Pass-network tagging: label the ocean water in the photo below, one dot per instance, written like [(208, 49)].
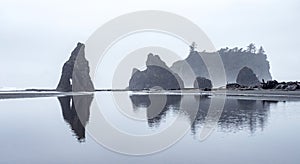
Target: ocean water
[(58, 129)]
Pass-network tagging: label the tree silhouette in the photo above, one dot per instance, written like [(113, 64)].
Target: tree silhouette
[(193, 47), (235, 49), (251, 48), (261, 50), (223, 50)]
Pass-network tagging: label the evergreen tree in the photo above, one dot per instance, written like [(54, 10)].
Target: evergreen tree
[(261, 50), (251, 48), (193, 47)]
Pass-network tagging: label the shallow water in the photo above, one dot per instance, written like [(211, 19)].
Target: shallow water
[(48, 130)]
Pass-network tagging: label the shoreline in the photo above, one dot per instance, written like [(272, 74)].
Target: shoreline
[(240, 94)]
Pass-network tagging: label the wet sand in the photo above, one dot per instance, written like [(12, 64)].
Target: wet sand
[(245, 94), (36, 94)]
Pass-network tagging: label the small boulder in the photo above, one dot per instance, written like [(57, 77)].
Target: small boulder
[(233, 86)]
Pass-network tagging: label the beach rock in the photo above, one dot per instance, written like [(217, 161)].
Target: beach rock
[(156, 75), (291, 87), (246, 77), (203, 83), (233, 86), (236, 86), (281, 86), (271, 85), (274, 85), (75, 72), (287, 86)]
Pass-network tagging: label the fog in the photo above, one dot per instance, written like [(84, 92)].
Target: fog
[(37, 37)]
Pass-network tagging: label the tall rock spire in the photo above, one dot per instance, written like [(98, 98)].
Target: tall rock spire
[(75, 72)]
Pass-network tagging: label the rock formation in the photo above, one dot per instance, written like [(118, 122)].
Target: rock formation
[(233, 59), (233, 86), (192, 65), (287, 86), (270, 84), (203, 83), (245, 67), (157, 74), (246, 77), (75, 73)]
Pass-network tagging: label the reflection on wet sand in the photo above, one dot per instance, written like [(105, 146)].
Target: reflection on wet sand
[(238, 114), (76, 112), (156, 111)]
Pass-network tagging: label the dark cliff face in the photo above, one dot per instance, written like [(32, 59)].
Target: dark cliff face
[(75, 73), (246, 77), (157, 74), (233, 62)]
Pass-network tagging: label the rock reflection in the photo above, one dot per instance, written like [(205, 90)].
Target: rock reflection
[(157, 110), (237, 115), (76, 112)]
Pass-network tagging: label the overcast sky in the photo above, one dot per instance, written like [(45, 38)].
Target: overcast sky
[(36, 37)]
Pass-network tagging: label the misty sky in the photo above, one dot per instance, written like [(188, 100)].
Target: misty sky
[(36, 37)]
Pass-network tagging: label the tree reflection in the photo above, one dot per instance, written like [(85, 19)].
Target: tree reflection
[(238, 114)]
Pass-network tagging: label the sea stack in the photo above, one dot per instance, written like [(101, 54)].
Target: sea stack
[(247, 77), (157, 74), (233, 59), (75, 73)]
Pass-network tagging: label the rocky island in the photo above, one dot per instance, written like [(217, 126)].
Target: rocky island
[(233, 59)]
